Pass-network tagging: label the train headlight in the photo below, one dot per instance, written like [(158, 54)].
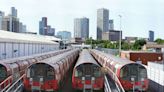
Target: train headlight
[(83, 80), (41, 80), (132, 79), (93, 80), (142, 79), (31, 80)]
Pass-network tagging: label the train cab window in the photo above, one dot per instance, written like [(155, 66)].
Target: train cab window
[(97, 72), (124, 72), (87, 69), (50, 73), (142, 72), (78, 73), (3, 73)]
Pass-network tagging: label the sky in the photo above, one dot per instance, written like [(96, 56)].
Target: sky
[(138, 16)]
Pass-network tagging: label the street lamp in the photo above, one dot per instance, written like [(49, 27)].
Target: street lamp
[(91, 42), (120, 36)]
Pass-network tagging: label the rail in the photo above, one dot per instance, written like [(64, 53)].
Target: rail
[(5, 84), (115, 78), (16, 86), (107, 86)]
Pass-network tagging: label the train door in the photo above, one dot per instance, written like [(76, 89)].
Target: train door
[(88, 76), (88, 72)]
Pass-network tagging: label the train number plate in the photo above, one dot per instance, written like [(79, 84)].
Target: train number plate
[(88, 86)]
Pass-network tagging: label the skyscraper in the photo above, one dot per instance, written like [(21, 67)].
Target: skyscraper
[(50, 31), (111, 24), (24, 28), (102, 22), (45, 29), (20, 27), (13, 12), (10, 23), (43, 26), (1, 19), (151, 36), (81, 28), (77, 28)]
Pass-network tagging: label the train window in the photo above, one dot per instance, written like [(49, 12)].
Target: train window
[(78, 73), (124, 72), (50, 73), (87, 69), (3, 73), (97, 72), (142, 72)]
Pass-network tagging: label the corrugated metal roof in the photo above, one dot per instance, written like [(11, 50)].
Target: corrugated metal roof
[(6, 36)]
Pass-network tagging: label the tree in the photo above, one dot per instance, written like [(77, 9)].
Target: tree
[(159, 41), (138, 44), (125, 45)]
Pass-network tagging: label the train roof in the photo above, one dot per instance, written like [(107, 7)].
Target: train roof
[(86, 57), (6, 36), (12, 60), (53, 60), (116, 59)]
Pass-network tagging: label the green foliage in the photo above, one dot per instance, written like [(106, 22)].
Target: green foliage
[(115, 45), (138, 44), (159, 41)]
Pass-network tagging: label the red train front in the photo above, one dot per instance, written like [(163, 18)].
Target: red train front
[(41, 76), (49, 74), (133, 77), (87, 73)]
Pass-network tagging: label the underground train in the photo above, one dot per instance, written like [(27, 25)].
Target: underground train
[(12, 69), (133, 76), (48, 75), (87, 74)]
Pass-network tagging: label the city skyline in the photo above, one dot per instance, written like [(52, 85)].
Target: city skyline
[(137, 16)]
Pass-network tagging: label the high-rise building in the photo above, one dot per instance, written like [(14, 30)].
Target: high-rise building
[(111, 24), (50, 31), (114, 35), (81, 28), (151, 36), (13, 12), (64, 35), (102, 22), (77, 28), (24, 29), (45, 29), (20, 27), (10, 23), (43, 26), (1, 18)]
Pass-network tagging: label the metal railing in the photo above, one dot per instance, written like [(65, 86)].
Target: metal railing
[(107, 86), (16, 86), (115, 78), (5, 84)]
